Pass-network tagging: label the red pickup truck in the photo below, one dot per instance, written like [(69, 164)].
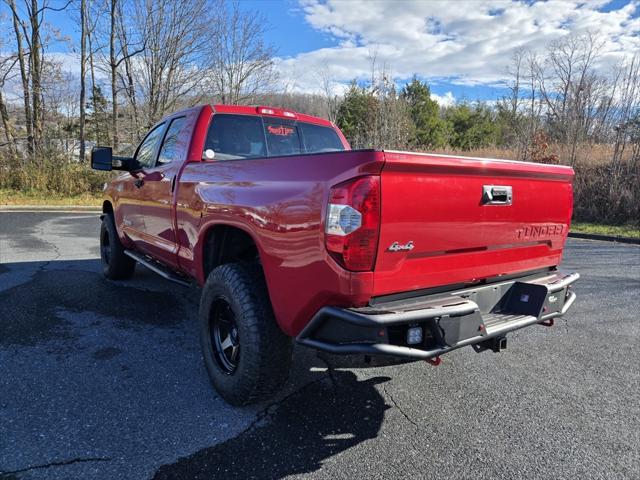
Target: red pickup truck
[(291, 234)]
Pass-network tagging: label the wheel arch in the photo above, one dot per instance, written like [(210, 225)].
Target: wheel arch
[(225, 243), (107, 207)]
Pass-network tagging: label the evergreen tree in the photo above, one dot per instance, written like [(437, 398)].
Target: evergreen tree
[(98, 118), (356, 115), (471, 126), (430, 131)]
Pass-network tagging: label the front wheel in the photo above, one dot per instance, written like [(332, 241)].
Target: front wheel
[(246, 354), (115, 264)]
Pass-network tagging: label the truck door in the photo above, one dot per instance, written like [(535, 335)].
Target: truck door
[(130, 214), (156, 186)]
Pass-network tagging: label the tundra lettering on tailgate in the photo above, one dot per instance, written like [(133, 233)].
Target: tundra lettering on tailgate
[(539, 231)]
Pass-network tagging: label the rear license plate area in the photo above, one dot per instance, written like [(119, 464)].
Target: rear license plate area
[(525, 299)]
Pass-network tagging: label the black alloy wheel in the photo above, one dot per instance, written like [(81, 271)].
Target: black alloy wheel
[(105, 247), (225, 339)]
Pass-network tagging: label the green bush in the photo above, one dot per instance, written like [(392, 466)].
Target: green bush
[(471, 126)]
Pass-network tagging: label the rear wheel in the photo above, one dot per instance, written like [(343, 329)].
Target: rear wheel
[(246, 354), (225, 339), (115, 264)]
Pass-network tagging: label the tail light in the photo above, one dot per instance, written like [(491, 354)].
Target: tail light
[(353, 223)]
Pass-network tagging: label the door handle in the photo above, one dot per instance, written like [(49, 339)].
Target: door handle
[(497, 194), (138, 183)]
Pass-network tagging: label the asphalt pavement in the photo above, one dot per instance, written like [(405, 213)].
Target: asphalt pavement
[(104, 380)]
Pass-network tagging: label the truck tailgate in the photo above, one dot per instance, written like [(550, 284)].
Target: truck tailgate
[(449, 220)]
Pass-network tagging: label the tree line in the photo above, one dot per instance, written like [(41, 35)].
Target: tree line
[(558, 105), (562, 106), (142, 59)]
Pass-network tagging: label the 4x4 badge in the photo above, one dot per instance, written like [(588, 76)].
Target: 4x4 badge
[(399, 247)]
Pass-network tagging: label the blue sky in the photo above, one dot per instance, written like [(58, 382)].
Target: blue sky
[(461, 48)]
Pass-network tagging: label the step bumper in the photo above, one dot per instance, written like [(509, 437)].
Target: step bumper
[(446, 321)]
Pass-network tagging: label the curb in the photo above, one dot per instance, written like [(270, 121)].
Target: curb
[(606, 238), (50, 208)]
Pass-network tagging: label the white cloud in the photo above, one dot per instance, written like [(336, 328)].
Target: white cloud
[(445, 100), (449, 43), (466, 42)]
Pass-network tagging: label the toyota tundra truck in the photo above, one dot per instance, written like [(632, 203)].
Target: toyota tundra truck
[(293, 236)]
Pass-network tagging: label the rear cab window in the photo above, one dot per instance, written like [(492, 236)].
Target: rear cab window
[(146, 153), (173, 145), (283, 137), (319, 139), (236, 137)]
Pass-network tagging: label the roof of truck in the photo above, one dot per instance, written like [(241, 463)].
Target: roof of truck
[(277, 112), (262, 110)]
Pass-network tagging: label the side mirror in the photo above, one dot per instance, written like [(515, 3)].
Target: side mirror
[(102, 158)]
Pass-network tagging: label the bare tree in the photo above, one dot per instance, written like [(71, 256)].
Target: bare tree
[(28, 34), (535, 103), (121, 51), (6, 125), (20, 30), (241, 63), (176, 36), (61, 91), (327, 88), (83, 75), (626, 113), (129, 48), (6, 66), (90, 46), (113, 67), (391, 124), (36, 47), (511, 107), (571, 89)]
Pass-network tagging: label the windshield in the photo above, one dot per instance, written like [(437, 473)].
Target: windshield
[(234, 137)]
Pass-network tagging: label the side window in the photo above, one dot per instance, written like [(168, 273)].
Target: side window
[(173, 145), (147, 149), (320, 139), (234, 137), (282, 137)]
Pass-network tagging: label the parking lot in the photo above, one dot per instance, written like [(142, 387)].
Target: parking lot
[(104, 380)]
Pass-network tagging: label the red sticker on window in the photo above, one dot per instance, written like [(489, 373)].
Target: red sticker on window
[(281, 130)]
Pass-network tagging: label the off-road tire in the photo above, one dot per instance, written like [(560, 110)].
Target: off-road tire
[(264, 352), (115, 264)]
